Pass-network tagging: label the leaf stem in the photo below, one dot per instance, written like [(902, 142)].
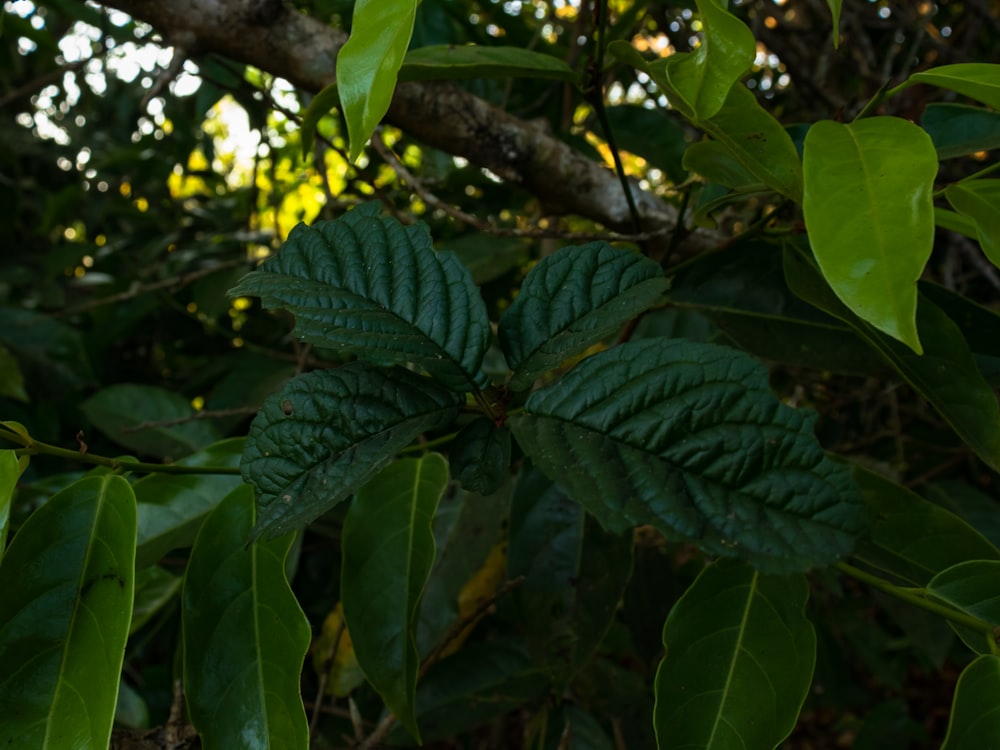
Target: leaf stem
[(968, 178), (918, 598)]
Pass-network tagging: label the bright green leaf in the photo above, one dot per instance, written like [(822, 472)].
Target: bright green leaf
[(971, 587), (959, 130), (835, 12), (155, 588), (757, 140), (573, 299), (11, 378), (979, 200), (689, 438), (979, 81), (67, 582), (367, 285), (148, 420), (329, 431), (946, 375), (913, 538), (245, 637), (369, 62), (10, 470), (870, 215), (171, 507), (739, 661), (955, 222), (480, 456), (975, 714), (388, 549), (451, 62)]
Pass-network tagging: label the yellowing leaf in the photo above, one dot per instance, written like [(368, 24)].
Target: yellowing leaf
[(476, 594), (334, 651)]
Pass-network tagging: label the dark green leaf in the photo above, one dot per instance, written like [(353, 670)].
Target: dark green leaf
[(46, 346), (913, 538), (321, 104), (573, 299), (980, 81), (329, 431), (480, 456), (451, 62), (713, 161), (971, 587), (975, 714), (979, 510), (245, 637), (979, 325), (368, 63), (739, 661), (145, 419), (11, 378), (171, 507), (959, 130), (945, 375), (572, 728), (869, 211), (979, 200), (688, 437), (367, 285), (574, 576), (67, 582), (651, 134), (10, 470), (155, 587), (388, 550)]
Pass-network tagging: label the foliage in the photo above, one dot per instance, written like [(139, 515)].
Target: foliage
[(512, 477)]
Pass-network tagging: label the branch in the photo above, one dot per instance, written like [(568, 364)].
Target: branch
[(273, 37)]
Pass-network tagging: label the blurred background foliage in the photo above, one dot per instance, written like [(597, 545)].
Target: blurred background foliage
[(137, 185)]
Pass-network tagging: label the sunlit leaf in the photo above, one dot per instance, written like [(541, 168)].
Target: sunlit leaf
[(739, 661), (869, 211), (67, 582), (979, 200), (980, 81), (388, 550), (453, 62), (975, 714), (245, 637)]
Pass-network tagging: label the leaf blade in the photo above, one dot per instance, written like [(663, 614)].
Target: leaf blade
[(451, 62), (979, 200), (980, 81), (975, 712)]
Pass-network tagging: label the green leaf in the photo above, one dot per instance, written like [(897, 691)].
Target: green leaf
[(980, 201), (11, 378), (979, 325), (975, 714), (913, 538), (328, 432), (713, 161), (688, 437), (980, 81), (171, 507), (388, 551), (835, 12), (971, 587), (651, 134), (571, 300), (480, 456), (739, 660), (451, 62), (757, 141), (977, 508), (46, 346), (946, 375), (155, 588), (148, 420), (245, 637), (574, 576), (10, 470), (369, 286), (955, 222), (320, 105), (369, 62), (742, 289), (959, 130), (702, 79), (869, 210), (67, 582)]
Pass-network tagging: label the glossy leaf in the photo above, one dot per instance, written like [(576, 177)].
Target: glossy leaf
[(572, 299), (574, 572), (329, 431), (142, 418), (369, 62), (971, 587), (869, 211), (975, 713), (10, 470), (980, 81), (245, 637), (388, 549), (739, 661), (911, 537), (155, 588), (701, 80), (979, 200), (757, 140), (369, 286), (946, 374), (959, 130), (67, 582), (11, 377), (451, 62), (480, 456), (688, 437), (171, 507)]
